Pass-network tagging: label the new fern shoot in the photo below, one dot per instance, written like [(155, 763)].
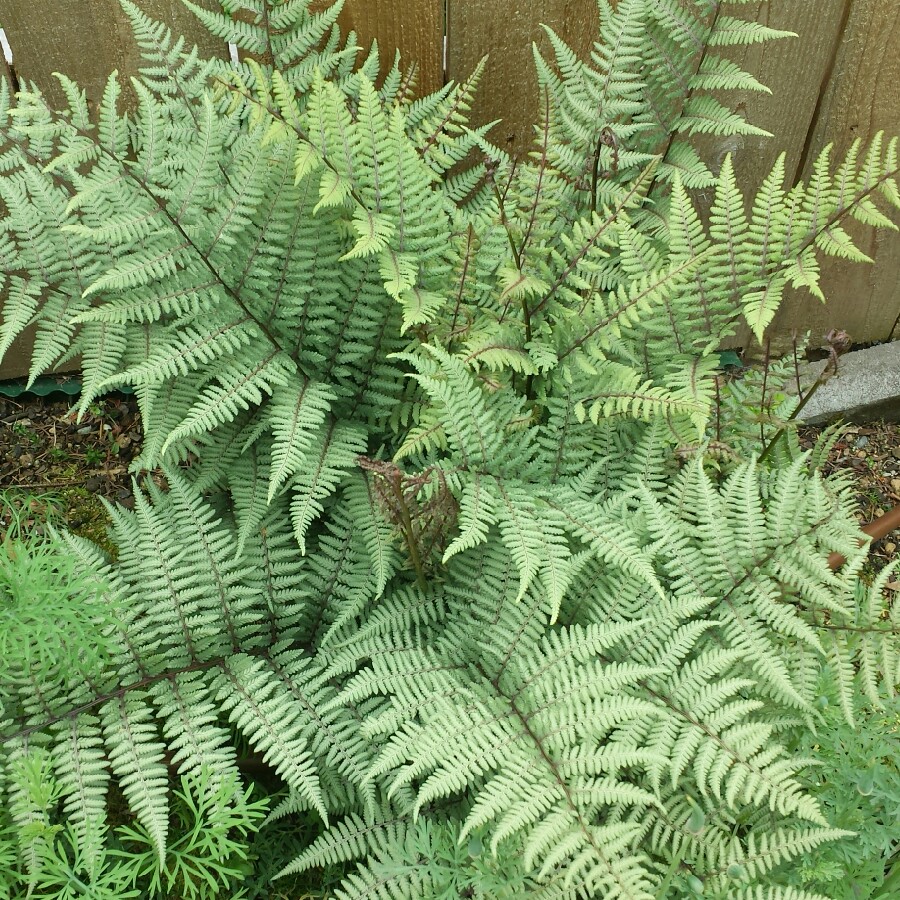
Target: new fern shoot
[(467, 573)]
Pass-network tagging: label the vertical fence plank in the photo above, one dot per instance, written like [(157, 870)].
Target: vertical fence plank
[(795, 70), (832, 83), (860, 99), (414, 27), (87, 39), (505, 31), (836, 81), (61, 37)]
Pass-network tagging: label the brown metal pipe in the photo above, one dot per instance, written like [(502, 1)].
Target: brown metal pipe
[(876, 530)]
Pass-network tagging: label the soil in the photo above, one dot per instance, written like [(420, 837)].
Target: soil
[(55, 465), (52, 463), (872, 454)]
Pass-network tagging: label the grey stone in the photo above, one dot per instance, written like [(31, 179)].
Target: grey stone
[(865, 388)]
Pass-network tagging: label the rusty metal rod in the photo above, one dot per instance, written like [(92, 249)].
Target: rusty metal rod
[(876, 530)]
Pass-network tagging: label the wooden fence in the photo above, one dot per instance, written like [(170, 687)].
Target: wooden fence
[(837, 81)]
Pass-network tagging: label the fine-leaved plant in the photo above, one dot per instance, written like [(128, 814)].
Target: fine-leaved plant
[(464, 558)]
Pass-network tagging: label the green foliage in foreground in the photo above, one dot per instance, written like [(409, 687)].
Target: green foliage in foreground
[(474, 576), (859, 788)]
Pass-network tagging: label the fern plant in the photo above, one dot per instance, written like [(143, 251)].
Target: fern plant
[(469, 555)]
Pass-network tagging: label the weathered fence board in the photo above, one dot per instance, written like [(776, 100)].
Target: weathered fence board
[(833, 83), (504, 32), (860, 98), (88, 39), (415, 27), (837, 81)]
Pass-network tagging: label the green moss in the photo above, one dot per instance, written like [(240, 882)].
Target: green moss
[(74, 508), (85, 515)]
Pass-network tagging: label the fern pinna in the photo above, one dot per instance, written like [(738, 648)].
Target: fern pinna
[(464, 534)]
